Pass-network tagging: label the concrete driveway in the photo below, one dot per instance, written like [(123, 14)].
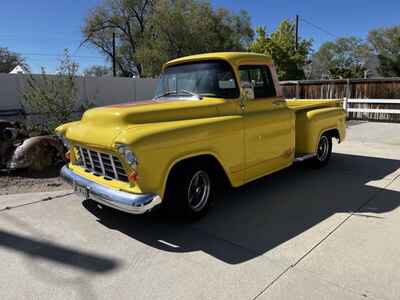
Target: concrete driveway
[(298, 234)]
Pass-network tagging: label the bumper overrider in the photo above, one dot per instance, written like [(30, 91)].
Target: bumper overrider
[(127, 202)]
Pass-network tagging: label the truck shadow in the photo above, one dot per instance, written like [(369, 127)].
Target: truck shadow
[(254, 219)]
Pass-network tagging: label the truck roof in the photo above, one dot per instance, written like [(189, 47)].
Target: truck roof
[(232, 57)]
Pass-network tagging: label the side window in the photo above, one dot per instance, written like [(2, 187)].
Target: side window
[(261, 79), (269, 82), (244, 75)]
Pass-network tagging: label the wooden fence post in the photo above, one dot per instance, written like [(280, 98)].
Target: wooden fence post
[(348, 92)]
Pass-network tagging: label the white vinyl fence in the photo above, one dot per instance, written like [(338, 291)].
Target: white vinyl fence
[(97, 90), (373, 109)]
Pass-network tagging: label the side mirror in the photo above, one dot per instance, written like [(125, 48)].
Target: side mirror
[(248, 90)]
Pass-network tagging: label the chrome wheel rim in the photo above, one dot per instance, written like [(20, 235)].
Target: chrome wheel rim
[(323, 148), (199, 191)]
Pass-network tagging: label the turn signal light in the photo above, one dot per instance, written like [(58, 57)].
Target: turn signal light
[(133, 176)]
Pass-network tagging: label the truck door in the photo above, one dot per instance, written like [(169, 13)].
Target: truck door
[(268, 125)]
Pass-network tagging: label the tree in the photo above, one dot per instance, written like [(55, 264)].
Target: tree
[(128, 20), (9, 60), (97, 71), (280, 45), (344, 58), (151, 32), (386, 45), (54, 97), (181, 28), (236, 30)]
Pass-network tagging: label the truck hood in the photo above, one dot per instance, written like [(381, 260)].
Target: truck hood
[(99, 127)]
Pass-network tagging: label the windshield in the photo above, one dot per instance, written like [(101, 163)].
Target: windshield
[(196, 80)]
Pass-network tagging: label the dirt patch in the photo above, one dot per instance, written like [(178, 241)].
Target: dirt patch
[(24, 181)]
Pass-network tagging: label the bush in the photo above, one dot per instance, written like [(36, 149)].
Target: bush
[(54, 98)]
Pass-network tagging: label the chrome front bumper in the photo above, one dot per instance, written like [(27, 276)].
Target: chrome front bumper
[(127, 202)]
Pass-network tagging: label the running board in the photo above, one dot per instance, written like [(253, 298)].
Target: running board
[(304, 157)]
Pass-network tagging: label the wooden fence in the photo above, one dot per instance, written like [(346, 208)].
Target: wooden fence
[(368, 99), (384, 88)]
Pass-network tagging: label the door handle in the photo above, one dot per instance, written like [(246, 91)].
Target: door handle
[(242, 105)]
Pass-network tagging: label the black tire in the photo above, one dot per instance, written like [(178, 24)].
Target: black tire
[(190, 191), (324, 152)]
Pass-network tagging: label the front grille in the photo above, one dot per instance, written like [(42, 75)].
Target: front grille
[(102, 164)]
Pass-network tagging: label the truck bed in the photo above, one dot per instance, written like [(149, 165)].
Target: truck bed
[(306, 104)]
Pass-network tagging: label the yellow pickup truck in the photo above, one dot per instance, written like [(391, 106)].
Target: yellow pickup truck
[(215, 117)]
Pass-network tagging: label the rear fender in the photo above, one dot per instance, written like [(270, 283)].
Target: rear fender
[(310, 125)]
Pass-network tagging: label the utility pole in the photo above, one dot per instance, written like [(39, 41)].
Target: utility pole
[(297, 32), (113, 58)]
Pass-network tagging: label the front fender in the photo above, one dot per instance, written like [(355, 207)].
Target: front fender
[(160, 146), (62, 129)]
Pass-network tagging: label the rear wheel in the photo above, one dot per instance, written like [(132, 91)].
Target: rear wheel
[(189, 191), (324, 151)]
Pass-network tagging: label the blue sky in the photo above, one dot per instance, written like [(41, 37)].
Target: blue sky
[(41, 29)]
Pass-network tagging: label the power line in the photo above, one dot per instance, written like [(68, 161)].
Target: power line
[(54, 35), (59, 55), (4, 37), (319, 28), (325, 31), (40, 39)]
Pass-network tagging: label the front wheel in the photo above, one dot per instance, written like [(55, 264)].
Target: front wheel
[(324, 152), (189, 192)]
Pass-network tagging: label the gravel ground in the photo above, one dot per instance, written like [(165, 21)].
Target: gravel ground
[(23, 181)]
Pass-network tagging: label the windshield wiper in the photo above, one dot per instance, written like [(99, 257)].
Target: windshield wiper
[(167, 93), (191, 93)]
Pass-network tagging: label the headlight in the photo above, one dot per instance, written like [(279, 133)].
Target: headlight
[(129, 156)]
